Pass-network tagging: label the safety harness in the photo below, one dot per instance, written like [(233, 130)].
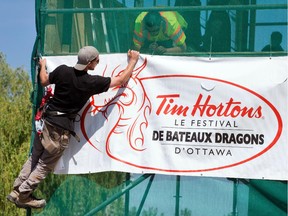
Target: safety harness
[(42, 113)]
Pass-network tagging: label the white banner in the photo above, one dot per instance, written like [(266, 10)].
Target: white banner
[(221, 117)]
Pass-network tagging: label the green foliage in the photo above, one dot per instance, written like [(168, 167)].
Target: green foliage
[(185, 212), (15, 129), (151, 211)]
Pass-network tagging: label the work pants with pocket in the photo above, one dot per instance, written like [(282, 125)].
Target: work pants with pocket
[(48, 147)]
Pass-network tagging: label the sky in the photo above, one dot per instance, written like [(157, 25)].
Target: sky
[(18, 32)]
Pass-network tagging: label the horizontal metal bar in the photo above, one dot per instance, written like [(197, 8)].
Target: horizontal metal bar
[(232, 54), (186, 8), (271, 24), (206, 54)]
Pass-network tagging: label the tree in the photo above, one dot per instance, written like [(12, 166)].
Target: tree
[(15, 129)]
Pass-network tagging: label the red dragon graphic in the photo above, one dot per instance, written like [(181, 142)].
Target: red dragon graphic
[(132, 106)]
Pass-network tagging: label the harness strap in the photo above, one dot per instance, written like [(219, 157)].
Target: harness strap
[(57, 113), (75, 136)]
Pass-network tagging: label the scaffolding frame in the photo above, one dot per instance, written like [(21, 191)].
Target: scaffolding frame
[(41, 13)]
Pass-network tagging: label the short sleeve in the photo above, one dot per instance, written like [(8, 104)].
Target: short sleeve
[(99, 83)]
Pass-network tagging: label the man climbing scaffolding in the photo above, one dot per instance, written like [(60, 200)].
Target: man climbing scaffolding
[(73, 87)]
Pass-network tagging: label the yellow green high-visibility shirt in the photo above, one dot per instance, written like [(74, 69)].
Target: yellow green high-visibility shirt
[(170, 29)]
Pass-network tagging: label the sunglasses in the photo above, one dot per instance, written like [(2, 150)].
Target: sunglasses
[(97, 60)]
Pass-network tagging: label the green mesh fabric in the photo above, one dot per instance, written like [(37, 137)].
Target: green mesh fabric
[(65, 26)]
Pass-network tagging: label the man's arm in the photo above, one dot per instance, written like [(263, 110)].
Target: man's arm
[(43, 75), (125, 75)]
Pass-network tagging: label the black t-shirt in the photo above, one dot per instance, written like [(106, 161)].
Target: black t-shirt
[(72, 90)]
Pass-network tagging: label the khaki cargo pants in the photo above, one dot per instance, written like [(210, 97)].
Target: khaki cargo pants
[(47, 150)]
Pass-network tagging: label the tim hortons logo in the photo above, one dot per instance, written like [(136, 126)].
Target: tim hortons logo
[(129, 115), (204, 108)]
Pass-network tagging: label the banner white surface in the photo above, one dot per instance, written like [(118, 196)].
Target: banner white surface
[(221, 117)]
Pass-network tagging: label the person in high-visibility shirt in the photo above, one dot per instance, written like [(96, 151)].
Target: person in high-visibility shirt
[(160, 32)]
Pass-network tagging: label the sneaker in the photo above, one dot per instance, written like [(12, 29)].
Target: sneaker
[(30, 202), (13, 196)]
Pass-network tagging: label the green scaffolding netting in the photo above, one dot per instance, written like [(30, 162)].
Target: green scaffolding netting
[(65, 26)]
